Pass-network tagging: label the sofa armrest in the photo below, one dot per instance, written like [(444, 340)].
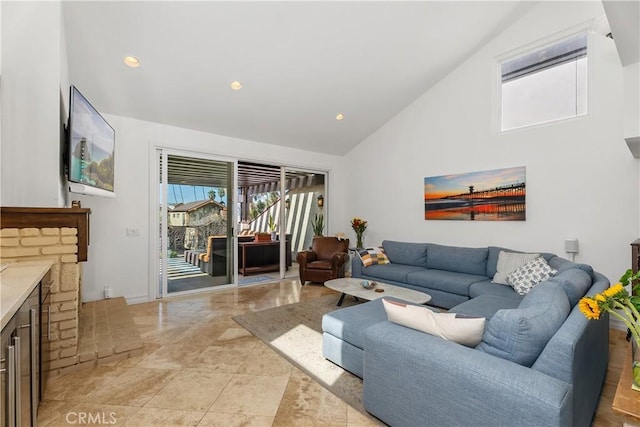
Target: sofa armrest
[(412, 378), (356, 266)]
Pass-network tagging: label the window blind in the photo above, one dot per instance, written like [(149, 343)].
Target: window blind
[(553, 55)]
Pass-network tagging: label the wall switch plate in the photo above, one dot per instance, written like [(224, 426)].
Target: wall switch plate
[(133, 232)]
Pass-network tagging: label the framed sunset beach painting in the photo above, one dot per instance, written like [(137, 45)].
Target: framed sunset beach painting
[(493, 195)]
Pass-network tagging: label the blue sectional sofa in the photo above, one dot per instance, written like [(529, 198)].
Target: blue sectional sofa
[(540, 361)]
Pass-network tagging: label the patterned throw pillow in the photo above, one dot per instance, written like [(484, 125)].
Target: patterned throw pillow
[(508, 262), (373, 256), (526, 277)]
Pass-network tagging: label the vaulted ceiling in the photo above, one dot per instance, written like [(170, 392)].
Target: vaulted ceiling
[(300, 63)]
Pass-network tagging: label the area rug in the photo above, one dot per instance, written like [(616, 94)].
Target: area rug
[(187, 283), (250, 280), (295, 331)]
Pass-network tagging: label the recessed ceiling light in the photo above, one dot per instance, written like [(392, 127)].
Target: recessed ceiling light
[(132, 61), (236, 85), (340, 116)]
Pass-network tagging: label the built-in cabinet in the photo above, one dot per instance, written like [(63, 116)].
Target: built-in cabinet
[(7, 375), (24, 333), (45, 332), (21, 363)]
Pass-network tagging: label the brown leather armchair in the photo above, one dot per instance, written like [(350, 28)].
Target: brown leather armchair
[(325, 260)]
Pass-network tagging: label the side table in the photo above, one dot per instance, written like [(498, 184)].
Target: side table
[(626, 401)]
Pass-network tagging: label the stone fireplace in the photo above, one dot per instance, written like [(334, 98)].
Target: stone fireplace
[(61, 235)]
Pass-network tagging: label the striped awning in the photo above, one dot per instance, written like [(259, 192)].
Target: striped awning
[(253, 178)]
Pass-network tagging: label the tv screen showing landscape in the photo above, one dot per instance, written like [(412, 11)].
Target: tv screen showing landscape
[(91, 145)]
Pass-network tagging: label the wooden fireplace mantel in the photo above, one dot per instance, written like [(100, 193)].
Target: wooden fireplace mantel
[(17, 217)]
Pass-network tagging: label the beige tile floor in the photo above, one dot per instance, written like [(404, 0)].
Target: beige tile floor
[(200, 368)]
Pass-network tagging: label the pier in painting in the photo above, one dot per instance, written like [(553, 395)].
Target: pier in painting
[(497, 195)]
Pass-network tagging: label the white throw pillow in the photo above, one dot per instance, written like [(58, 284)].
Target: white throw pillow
[(463, 330), (526, 277), (508, 262)]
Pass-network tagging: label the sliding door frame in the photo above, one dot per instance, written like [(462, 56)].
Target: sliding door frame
[(156, 176), (232, 199), (284, 212)]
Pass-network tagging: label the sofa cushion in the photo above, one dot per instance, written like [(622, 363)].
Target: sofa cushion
[(349, 323), (562, 264), (492, 258), (526, 277), (447, 281), (457, 259), (449, 326), (575, 283), (372, 256), (395, 272), (520, 334), (406, 253), (508, 262), (486, 305), (487, 287)]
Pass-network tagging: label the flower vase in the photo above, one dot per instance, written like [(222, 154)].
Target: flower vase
[(359, 243), (635, 360)]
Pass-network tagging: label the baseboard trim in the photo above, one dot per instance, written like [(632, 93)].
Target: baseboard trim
[(617, 324), (137, 300)]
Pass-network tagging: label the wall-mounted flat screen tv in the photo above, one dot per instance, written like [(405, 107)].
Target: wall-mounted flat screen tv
[(91, 148)]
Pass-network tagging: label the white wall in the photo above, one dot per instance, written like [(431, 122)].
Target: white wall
[(123, 262), (1, 96), (35, 100), (581, 180), (64, 101), (631, 78), (31, 75), (632, 100)]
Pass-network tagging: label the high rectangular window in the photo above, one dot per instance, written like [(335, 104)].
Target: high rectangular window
[(545, 85)]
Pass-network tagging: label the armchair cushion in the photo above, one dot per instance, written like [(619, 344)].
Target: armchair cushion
[(323, 264), (207, 255)]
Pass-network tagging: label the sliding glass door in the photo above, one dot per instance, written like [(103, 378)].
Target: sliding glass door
[(305, 207), (281, 203), (195, 226), (221, 222)]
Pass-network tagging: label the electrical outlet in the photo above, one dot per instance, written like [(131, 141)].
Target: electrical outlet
[(133, 232), (107, 292)]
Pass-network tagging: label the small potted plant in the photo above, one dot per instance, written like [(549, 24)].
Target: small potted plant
[(359, 225), (317, 225), (272, 227)]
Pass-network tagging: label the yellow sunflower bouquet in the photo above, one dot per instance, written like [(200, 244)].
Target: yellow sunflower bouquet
[(617, 302)]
